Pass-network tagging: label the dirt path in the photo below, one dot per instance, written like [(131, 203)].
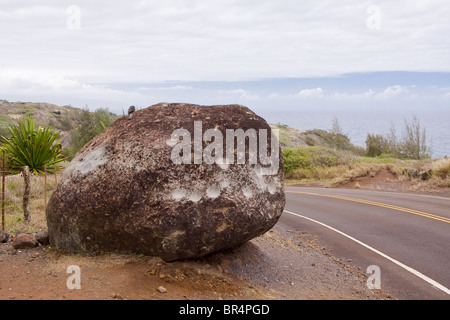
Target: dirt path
[(278, 265)]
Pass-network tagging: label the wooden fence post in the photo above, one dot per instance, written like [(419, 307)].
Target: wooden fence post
[(26, 194), (3, 193), (45, 186)]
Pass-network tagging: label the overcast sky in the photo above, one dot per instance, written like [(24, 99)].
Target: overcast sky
[(263, 54)]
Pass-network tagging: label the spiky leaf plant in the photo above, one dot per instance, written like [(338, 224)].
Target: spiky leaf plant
[(32, 147)]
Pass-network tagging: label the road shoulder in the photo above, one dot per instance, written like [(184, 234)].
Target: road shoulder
[(283, 264)]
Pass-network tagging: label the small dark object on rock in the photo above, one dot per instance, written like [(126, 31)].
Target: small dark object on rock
[(131, 109)]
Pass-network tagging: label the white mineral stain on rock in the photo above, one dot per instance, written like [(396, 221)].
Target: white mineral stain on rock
[(225, 183), (259, 179), (222, 164), (171, 142), (195, 196), (271, 187), (248, 193), (213, 191), (89, 162), (178, 194)]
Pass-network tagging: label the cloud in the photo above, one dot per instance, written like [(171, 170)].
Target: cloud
[(310, 93), (273, 96), (56, 89), (174, 49), (141, 41), (389, 93), (392, 92), (241, 93), (175, 87), (345, 96)]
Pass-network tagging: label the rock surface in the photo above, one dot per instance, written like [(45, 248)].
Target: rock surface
[(4, 236), (42, 237), (24, 241), (124, 193)]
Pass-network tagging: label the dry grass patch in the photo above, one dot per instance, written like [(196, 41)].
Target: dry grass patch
[(14, 188), (441, 168)]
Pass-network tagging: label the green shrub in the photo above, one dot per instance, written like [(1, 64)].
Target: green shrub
[(312, 161), (295, 158), (92, 123)]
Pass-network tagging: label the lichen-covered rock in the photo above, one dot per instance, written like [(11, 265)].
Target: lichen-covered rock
[(164, 184)]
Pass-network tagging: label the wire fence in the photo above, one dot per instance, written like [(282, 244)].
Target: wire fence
[(5, 173)]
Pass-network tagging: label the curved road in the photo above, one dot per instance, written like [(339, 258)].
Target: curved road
[(406, 235)]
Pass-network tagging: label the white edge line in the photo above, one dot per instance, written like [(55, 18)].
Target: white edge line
[(413, 271)]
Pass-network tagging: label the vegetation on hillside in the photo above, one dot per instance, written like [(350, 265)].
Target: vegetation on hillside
[(63, 119), (92, 123), (76, 126), (329, 156)]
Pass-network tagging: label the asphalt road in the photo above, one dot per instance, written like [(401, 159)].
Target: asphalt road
[(406, 235)]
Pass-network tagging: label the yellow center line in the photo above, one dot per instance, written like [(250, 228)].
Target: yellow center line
[(379, 204)]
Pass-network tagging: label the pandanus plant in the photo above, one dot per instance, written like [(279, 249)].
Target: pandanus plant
[(31, 149)]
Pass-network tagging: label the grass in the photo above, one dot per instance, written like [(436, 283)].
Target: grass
[(442, 167), (14, 188), (336, 167)]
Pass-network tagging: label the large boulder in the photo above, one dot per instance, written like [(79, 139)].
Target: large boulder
[(164, 184)]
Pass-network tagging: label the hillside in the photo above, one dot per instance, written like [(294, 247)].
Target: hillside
[(62, 118), (293, 138), (65, 119)]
